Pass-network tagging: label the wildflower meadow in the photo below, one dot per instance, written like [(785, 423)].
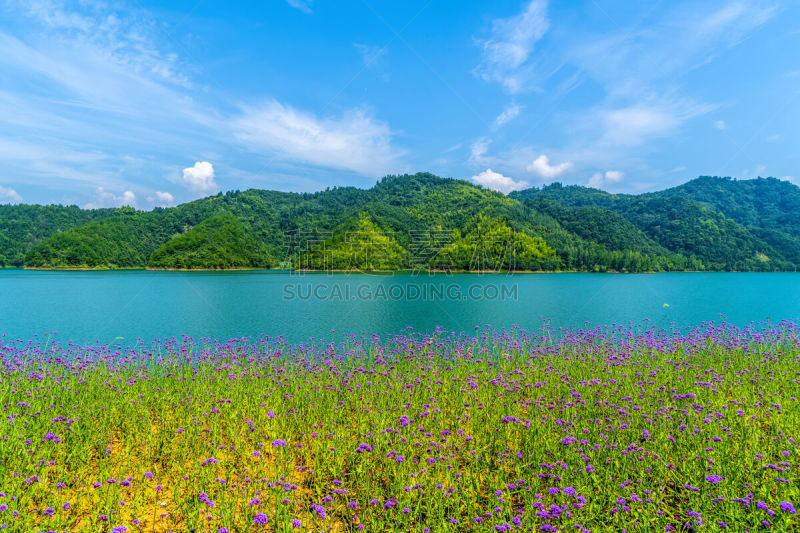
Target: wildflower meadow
[(606, 429)]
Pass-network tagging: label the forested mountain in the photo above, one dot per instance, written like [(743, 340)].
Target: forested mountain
[(768, 207), (22, 226), (422, 221), (726, 224), (220, 241)]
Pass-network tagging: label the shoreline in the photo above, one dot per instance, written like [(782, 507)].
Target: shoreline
[(358, 271)]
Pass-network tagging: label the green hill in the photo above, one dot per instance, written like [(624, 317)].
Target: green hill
[(769, 208), (492, 245), (24, 226), (688, 224), (359, 244), (422, 221), (219, 241)]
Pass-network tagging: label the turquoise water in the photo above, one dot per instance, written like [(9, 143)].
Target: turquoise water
[(101, 306)]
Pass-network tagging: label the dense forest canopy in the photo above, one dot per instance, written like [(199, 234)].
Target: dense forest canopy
[(422, 221)]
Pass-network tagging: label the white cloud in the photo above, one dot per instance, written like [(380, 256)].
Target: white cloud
[(9, 196), (200, 177), (641, 59), (511, 43), (635, 125), (104, 198), (302, 5), (127, 36), (498, 182), (91, 87), (638, 72), (477, 151), (353, 141), (127, 198), (164, 197), (133, 105), (773, 138), (720, 124), (734, 19), (541, 166), (638, 124), (161, 198), (509, 114), (370, 54), (520, 160), (757, 171), (601, 180), (91, 94)]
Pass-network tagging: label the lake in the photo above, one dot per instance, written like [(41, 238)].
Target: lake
[(92, 306)]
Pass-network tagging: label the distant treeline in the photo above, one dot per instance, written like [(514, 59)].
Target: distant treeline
[(426, 222)]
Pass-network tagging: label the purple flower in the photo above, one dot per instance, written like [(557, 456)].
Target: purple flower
[(714, 479), (296, 523), (788, 508), (260, 518), (119, 529), (278, 442)]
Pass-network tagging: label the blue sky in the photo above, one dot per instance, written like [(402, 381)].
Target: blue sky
[(145, 103)]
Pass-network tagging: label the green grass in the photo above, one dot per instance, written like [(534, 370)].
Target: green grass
[(603, 414)]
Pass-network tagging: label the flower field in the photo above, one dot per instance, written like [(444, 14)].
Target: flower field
[(608, 429)]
